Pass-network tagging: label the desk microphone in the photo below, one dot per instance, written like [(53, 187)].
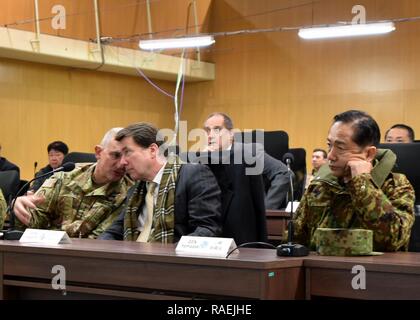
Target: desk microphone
[(12, 234), (291, 249)]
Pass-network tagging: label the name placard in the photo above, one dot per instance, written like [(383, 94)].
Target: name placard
[(205, 246), (44, 236)]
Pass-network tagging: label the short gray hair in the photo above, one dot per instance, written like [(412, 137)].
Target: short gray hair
[(109, 136)]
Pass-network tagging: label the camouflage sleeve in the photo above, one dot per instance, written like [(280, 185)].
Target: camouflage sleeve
[(44, 215), (389, 211), (301, 232), (3, 209)]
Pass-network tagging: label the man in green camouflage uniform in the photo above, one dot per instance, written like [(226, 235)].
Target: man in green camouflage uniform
[(358, 188), (83, 202), (3, 207)]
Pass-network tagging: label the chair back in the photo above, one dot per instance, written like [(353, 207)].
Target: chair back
[(407, 163), (243, 209), (80, 157), (299, 168), (9, 183), (276, 143)]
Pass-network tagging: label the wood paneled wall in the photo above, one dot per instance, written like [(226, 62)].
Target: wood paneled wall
[(40, 104), (267, 80), (118, 18), (278, 81)]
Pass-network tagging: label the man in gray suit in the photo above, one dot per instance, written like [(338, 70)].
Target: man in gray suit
[(170, 199), (219, 129)]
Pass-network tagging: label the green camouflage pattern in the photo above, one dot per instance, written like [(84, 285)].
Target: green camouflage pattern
[(381, 201), (3, 209), (343, 242), (163, 212), (73, 203)]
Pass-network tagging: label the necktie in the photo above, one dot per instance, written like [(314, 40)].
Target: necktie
[(144, 235)]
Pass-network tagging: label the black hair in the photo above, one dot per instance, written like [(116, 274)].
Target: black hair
[(402, 126), (366, 129), (324, 153), (144, 134), (58, 146)]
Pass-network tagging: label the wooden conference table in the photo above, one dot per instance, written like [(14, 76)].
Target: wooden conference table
[(117, 269), (145, 271), (276, 224)]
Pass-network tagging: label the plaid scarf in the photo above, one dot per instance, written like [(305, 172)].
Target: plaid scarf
[(163, 212)]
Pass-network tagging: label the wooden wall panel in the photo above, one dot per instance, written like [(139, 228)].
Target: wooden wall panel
[(119, 18), (40, 104), (278, 81)]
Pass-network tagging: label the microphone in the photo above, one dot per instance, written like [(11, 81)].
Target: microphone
[(12, 234), (291, 249), (35, 165), (288, 159)]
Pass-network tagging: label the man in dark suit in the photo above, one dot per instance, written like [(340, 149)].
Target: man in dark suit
[(170, 199), (6, 165), (219, 130), (243, 209)]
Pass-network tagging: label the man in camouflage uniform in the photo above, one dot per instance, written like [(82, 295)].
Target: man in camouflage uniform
[(83, 202), (358, 188), (3, 208)]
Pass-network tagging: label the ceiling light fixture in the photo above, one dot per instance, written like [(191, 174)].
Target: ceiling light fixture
[(346, 30), (177, 43)]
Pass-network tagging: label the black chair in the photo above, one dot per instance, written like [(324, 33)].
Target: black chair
[(276, 143), (9, 184), (22, 183), (407, 163), (299, 168), (79, 157)]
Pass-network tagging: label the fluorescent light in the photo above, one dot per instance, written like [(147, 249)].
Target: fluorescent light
[(347, 30), (176, 43)]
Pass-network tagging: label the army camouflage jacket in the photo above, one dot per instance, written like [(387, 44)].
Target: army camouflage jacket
[(3, 208), (75, 205), (381, 201)]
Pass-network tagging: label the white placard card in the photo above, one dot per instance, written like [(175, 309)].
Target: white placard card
[(205, 246), (45, 236)]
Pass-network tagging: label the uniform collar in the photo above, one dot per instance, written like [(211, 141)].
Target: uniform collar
[(383, 164)]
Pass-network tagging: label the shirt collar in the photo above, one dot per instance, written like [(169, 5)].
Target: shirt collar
[(158, 176)]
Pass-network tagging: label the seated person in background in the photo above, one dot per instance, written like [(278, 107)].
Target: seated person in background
[(358, 189), (170, 199), (56, 152), (399, 133), (218, 127), (6, 165), (3, 208), (319, 158), (83, 202)]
